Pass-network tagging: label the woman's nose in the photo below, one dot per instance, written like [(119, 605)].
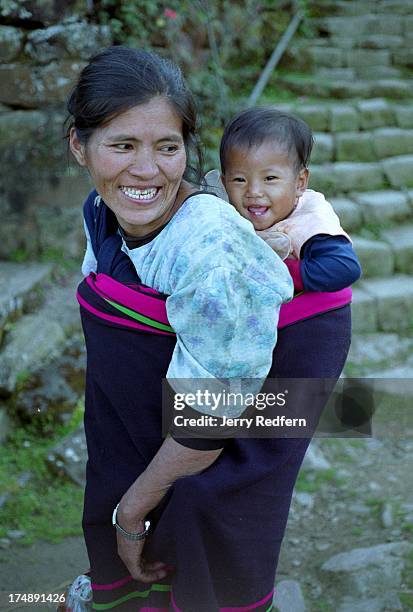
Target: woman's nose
[(144, 165)]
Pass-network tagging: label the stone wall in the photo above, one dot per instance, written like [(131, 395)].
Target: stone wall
[(43, 46)]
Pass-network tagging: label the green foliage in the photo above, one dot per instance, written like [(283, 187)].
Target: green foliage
[(313, 482), (406, 597), (322, 606), (221, 45), (19, 255), (45, 507), (23, 378), (357, 531), (57, 256)]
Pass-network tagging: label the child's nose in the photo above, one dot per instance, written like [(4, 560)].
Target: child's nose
[(254, 190)]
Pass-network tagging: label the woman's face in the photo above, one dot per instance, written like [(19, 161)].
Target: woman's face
[(137, 161)]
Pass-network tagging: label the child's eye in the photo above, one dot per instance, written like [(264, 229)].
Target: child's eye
[(238, 179), (270, 178)]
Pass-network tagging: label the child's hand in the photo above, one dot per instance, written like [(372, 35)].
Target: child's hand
[(278, 241)]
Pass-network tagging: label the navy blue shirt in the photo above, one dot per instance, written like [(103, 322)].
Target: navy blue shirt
[(328, 263)]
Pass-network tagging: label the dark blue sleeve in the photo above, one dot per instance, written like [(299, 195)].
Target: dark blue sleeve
[(328, 263), (89, 215)]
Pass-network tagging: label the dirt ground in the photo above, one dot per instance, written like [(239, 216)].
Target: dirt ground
[(368, 478), (40, 568)]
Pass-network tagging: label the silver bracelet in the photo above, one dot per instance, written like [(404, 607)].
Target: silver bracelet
[(130, 536)]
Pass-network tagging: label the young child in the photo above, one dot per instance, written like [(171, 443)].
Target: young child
[(264, 169)]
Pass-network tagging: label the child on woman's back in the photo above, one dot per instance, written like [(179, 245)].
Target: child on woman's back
[(264, 157)]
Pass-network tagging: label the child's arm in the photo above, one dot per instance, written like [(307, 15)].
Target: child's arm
[(328, 263)]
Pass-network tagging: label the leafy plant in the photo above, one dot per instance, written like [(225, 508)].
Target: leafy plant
[(45, 507), (221, 45)]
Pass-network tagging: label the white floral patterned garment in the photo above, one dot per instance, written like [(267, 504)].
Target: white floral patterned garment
[(225, 288)]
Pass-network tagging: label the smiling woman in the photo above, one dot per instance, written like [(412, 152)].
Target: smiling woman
[(137, 162), (177, 285)]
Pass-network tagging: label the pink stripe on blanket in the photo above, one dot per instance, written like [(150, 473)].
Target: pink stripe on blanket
[(312, 303), (119, 320), (108, 287)]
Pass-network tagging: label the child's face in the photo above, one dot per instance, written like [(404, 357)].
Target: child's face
[(263, 184)]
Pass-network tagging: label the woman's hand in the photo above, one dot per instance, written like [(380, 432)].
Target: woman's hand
[(131, 553), (172, 461)]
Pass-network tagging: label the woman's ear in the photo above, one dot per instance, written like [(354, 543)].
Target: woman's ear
[(302, 182), (77, 148)]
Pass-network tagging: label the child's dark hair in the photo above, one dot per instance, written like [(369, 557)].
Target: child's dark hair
[(254, 126)]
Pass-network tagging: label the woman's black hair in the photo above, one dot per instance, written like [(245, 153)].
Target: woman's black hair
[(120, 78), (254, 126)]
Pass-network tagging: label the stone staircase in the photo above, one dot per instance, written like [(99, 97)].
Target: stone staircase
[(40, 343), (356, 49), (362, 161), (352, 76)]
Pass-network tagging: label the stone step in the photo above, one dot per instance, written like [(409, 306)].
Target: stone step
[(350, 213), (378, 72), (370, 41), (364, 316), (388, 142), (364, 146), (368, 73), (342, 177), (372, 352), (400, 240), (361, 25), (384, 304), (335, 74), (375, 113), (378, 208), (362, 7), (320, 87), (39, 337), (333, 116), (399, 171), (404, 57), (376, 257), (20, 289), (306, 57), (383, 207)]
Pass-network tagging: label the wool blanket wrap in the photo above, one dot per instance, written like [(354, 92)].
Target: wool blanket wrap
[(220, 530)]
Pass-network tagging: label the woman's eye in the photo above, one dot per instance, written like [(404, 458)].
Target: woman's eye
[(238, 179), (123, 146), (169, 149)]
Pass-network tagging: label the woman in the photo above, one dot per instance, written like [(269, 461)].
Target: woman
[(217, 508)]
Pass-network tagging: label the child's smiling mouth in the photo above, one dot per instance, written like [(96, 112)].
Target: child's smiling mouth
[(258, 211)]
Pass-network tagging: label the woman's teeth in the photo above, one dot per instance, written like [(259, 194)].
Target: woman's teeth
[(140, 194)]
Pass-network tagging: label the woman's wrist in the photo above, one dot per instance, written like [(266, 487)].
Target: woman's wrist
[(130, 535), (129, 516), (138, 500)]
